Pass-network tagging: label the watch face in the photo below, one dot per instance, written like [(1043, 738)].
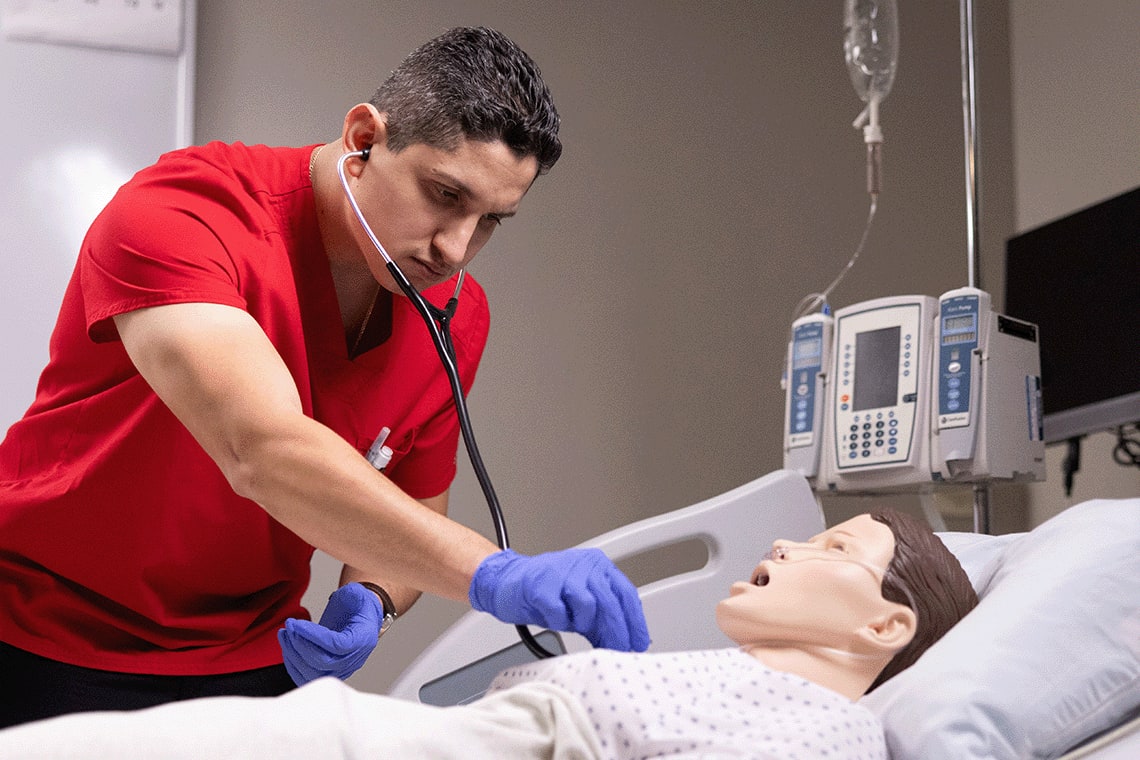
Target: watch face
[(386, 623), (386, 605)]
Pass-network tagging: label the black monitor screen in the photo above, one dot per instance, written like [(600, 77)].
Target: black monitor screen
[(1078, 279)]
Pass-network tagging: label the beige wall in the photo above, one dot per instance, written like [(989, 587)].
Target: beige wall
[(640, 300)]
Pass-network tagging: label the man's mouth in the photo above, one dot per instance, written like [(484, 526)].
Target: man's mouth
[(430, 272)]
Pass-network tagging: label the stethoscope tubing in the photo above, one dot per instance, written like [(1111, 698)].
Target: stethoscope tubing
[(437, 321)]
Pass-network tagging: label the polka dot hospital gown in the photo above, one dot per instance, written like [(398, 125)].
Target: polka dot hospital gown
[(717, 703)]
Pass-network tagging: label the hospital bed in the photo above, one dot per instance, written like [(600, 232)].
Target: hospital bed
[(1047, 666)]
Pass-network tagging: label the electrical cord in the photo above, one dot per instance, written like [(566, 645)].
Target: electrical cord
[(1126, 453), (1071, 464)]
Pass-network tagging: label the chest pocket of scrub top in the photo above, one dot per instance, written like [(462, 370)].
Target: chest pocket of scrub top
[(400, 442)]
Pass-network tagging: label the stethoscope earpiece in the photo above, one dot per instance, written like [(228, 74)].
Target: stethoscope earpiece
[(365, 153)]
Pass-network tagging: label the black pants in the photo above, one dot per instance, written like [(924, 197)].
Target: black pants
[(34, 687)]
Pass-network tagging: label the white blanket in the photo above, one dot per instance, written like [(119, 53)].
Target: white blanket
[(324, 719), (592, 705)]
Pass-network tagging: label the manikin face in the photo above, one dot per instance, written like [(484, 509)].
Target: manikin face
[(822, 592), (432, 209)]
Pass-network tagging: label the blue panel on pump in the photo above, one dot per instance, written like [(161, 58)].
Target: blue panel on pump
[(958, 339), (807, 363)]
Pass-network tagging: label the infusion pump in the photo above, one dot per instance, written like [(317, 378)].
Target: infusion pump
[(904, 392)]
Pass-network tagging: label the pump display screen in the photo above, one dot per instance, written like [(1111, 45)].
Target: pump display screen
[(876, 369), (807, 353), (965, 322), (959, 329)]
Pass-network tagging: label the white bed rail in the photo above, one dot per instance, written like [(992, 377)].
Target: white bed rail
[(737, 528)]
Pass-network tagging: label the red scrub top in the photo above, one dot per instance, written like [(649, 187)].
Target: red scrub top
[(122, 546)]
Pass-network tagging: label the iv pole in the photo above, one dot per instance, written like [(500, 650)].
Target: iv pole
[(970, 128)]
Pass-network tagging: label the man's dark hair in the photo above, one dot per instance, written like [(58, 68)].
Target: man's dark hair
[(940, 591), (472, 83)]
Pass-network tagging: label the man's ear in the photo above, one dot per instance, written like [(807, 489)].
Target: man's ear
[(364, 127), (892, 630)]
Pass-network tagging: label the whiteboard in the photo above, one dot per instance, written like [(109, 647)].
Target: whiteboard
[(77, 122)]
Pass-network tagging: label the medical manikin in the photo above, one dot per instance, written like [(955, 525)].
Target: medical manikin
[(817, 625)]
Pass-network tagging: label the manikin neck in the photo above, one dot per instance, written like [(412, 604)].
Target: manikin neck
[(842, 671)]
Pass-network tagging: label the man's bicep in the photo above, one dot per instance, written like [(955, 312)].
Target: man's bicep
[(214, 367)]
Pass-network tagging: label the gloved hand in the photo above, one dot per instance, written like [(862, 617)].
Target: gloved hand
[(577, 590), (340, 643)]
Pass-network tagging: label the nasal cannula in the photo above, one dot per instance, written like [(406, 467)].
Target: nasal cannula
[(437, 321)]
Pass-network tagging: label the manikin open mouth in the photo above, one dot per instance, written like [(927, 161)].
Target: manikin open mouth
[(760, 578)]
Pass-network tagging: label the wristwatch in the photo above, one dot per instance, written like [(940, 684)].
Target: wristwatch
[(386, 603)]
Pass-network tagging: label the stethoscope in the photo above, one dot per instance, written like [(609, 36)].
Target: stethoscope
[(438, 324)]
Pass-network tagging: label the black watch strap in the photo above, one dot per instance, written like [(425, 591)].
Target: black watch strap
[(390, 613)]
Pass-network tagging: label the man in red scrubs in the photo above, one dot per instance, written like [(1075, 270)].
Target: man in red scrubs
[(228, 348)]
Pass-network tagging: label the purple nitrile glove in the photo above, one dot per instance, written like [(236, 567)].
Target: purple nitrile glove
[(340, 643), (578, 590)]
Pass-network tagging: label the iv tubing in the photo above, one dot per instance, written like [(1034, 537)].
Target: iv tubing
[(812, 300)]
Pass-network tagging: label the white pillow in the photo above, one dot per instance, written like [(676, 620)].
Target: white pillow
[(980, 555), (1049, 658)]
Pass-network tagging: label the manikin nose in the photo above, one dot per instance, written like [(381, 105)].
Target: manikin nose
[(781, 548)]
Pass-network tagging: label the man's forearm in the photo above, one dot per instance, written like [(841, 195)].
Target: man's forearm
[(319, 487), (402, 596)]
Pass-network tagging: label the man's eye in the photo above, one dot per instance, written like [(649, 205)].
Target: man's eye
[(447, 194), (494, 219)]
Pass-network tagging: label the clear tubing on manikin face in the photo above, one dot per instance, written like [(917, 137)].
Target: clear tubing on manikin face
[(779, 554), (817, 648)]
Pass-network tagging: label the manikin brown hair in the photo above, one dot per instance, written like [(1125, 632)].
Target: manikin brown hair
[(939, 587)]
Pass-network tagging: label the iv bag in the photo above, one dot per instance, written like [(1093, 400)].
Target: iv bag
[(870, 46)]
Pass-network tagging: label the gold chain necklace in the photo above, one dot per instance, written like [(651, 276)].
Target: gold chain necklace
[(367, 319), (313, 162)]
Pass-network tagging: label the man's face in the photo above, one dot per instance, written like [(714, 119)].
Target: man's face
[(433, 210), (816, 592)]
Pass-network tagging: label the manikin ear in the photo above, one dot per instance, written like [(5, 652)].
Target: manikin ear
[(890, 631), (364, 127)]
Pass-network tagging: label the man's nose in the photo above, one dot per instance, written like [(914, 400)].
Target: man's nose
[(454, 240)]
